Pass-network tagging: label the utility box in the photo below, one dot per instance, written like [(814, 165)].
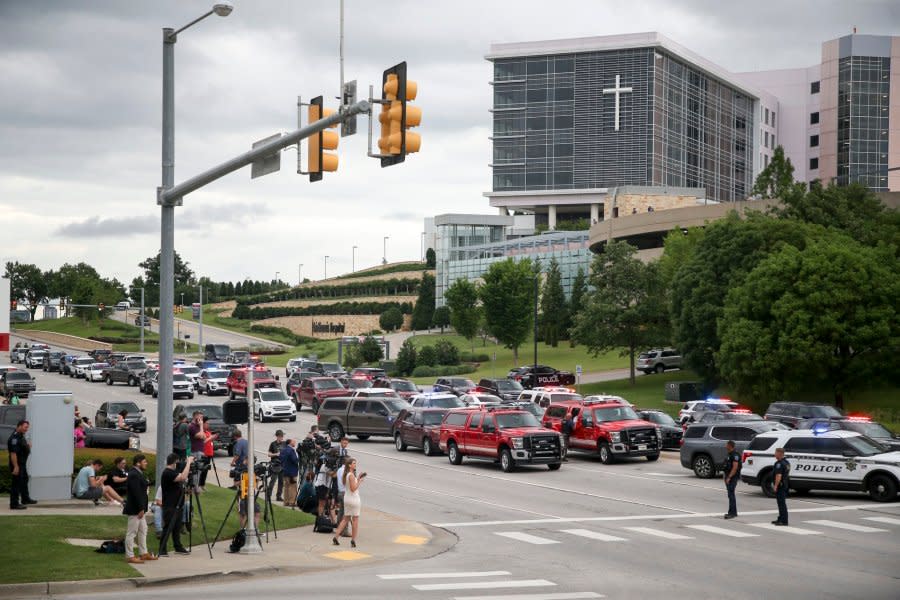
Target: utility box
[(51, 416), (684, 391)]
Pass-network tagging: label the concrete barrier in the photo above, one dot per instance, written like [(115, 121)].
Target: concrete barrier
[(62, 339)]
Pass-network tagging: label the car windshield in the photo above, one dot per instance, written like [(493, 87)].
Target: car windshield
[(178, 377), (190, 370), (865, 446), (564, 397), (395, 405), (10, 375), (463, 383), (505, 385), (614, 413), (96, 366), (218, 374), (83, 361), (825, 412), (328, 384), (213, 412), (271, 394), (136, 364), (385, 394), (433, 418), (447, 402), (660, 419), (330, 367), (262, 374), (404, 386), (516, 419), (358, 383), (872, 430), (131, 407)]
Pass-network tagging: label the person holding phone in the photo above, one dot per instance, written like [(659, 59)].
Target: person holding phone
[(352, 503)]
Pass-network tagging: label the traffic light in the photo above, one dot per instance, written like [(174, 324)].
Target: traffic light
[(397, 115), (318, 160)]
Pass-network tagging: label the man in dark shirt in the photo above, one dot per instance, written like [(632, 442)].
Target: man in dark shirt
[(172, 494), (782, 473), (275, 448), (19, 448), (180, 436), (198, 438), (732, 476), (118, 477), (136, 502)]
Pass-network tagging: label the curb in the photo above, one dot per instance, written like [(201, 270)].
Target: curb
[(442, 541)]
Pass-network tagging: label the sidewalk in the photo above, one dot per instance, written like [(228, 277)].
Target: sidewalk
[(383, 537)]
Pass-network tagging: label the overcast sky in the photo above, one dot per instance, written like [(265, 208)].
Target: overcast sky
[(80, 114)]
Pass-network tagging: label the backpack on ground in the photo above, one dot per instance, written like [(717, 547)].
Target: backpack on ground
[(324, 524), (112, 547), (238, 541)]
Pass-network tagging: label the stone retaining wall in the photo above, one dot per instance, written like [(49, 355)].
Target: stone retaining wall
[(62, 339), (352, 324)]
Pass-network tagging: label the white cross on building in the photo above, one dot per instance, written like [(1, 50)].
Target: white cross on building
[(617, 91)]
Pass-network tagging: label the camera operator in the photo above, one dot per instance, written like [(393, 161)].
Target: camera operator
[(326, 482), (291, 471), (239, 460), (275, 459), (172, 492)]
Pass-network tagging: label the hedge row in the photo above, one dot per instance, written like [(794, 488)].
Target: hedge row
[(407, 286), (242, 311), (284, 332), (443, 370), (477, 358), (83, 456), (383, 271), (122, 340)]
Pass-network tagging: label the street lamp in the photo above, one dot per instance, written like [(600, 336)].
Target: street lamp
[(353, 268), (277, 273), (167, 240), (300, 274), (325, 273), (384, 256), (182, 298), (423, 246)]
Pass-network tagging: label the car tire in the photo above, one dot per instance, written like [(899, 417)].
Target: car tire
[(606, 454), (315, 407), (154, 393), (200, 390), (293, 418), (882, 488), (399, 444), (767, 484), (132, 382), (191, 396), (362, 437), (507, 463), (652, 457), (660, 368), (231, 394), (335, 432), (554, 466), (453, 453), (427, 447), (108, 380), (703, 466), (260, 417)]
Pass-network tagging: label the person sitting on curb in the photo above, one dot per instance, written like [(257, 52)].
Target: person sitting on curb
[(91, 486)]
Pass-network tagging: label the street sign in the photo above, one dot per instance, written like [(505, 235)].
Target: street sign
[(348, 97), (578, 370), (266, 164)]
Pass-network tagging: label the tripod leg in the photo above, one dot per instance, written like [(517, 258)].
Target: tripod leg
[(271, 512), (215, 471), (196, 497), (225, 520)]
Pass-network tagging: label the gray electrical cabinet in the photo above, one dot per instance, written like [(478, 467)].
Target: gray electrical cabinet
[(51, 416)]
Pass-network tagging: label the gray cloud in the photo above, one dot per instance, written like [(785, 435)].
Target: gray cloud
[(94, 227)]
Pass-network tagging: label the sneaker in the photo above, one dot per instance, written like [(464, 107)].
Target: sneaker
[(147, 556), (182, 551), (18, 507), (730, 516), (780, 524), (162, 555), (115, 503), (96, 502), (134, 560)]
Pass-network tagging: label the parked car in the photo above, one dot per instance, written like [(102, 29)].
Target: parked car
[(181, 386), (541, 375), (240, 357), (145, 320), (303, 364), (213, 381), (53, 361), (864, 425), (671, 432), (370, 373), (686, 414), (406, 388), (703, 447), (94, 437), (506, 389), (658, 360), (192, 373), (99, 354), (419, 428), (218, 352), (297, 377), (108, 416), (67, 365), (545, 395), (94, 372), (480, 399), (436, 400), (237, 380), (361, 416), (80, 366), (314, 390), (16, 382), (272, 403), (454, 385), (216, 423), (34, 358), (713, 416), (145, 381), (333, 369), (356, 383), (792, 413), (125, 371)]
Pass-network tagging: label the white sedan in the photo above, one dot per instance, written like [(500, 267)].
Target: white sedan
[(95, 371)]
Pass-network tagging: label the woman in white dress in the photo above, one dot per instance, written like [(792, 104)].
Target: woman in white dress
[(352, 503)]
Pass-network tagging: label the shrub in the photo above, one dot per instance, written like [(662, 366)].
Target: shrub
[(257, 313), (442, 371), (427, 356), (406, 357), (477, 358), (83, 456), (284, 332), (424, 371), (391, 319), (447, 352), (370, 351)]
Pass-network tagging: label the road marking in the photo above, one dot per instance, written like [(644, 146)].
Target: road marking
[(783, 529), (644, 517), (847, 526), (412, 540), (587, 533), (525, 537), (451, 575), (721, 531), (888, 520), (557, 596), (660, 533), (483, 585), (673, 475), (347, 555)]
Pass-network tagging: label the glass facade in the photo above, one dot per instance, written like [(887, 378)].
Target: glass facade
[(555, 124), (862, 132), (569, 248), (453, 241)]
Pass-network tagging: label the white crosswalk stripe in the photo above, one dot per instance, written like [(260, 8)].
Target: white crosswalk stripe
[(847, 526), (593, 535), (451, 575), (888, 520), (557, 596), (722, 531), (526, 537), (785, 529), (660, 533), (483, 585)]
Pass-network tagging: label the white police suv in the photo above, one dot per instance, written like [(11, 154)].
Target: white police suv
[(830, 460)]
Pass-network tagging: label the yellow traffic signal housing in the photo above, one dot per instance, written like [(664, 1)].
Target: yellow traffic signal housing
[(397, 116), (319, 161)]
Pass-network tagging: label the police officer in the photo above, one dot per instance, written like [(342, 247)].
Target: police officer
[(732, 476), (782, 473), (19, 448)]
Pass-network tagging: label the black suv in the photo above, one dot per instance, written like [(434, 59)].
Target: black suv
[(863, 425), (505, 389), (53, 361), (791, 413), (703, 447)]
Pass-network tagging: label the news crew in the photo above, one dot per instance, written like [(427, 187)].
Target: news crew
[(172, 491)]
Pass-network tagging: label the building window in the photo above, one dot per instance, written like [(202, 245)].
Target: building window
[(814, 87), (813, 118), (765, 160), (773, 141), (813, 141), (767, 116), (813, 164), (773, 119), (766, 139)]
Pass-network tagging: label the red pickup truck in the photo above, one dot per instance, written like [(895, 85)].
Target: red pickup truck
[(237, 380), (509, 436), (312, 392)]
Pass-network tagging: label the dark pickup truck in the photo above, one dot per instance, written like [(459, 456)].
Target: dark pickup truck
[(94, 437), (16, 382), (125, 371)]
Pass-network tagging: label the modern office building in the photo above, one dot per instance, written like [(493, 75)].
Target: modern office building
[(840, 118)]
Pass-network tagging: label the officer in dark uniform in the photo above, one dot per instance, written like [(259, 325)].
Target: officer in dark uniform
[(19, 448), (732, 476), (782, 473)]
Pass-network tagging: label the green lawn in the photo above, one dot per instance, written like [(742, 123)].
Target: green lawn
[(95, 328), (35, 548)]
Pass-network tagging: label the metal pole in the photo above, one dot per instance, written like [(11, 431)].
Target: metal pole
[(167, 259), (342, 57), (325, 272), (384, 255), (300, 274), (252, 546), (200, 341), (142, 320), (535, 322), (353, 268)]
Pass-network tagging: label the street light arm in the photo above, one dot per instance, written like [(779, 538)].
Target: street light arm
[(173, 37)]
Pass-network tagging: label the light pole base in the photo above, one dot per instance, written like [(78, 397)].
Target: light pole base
[(252, 545)]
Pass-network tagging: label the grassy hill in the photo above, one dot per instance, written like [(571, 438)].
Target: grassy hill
[(105, 329)]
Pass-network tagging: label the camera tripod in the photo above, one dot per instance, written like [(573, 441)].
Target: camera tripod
[(268, 512), (189, 493)]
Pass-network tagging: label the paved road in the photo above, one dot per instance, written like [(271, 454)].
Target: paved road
[(630, 530)]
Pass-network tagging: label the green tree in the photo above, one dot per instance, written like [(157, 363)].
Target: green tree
[(184, 277), (462, 300), (441, 317), (430, 258), (827, 314), (576, 302), (370, 350), (554, 312), (391, 319), (626, 308), (446, 352), (352, 357), (423, 313), (406, 357), (28, 282), (427, 357), (507, 296), (777, 179)]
